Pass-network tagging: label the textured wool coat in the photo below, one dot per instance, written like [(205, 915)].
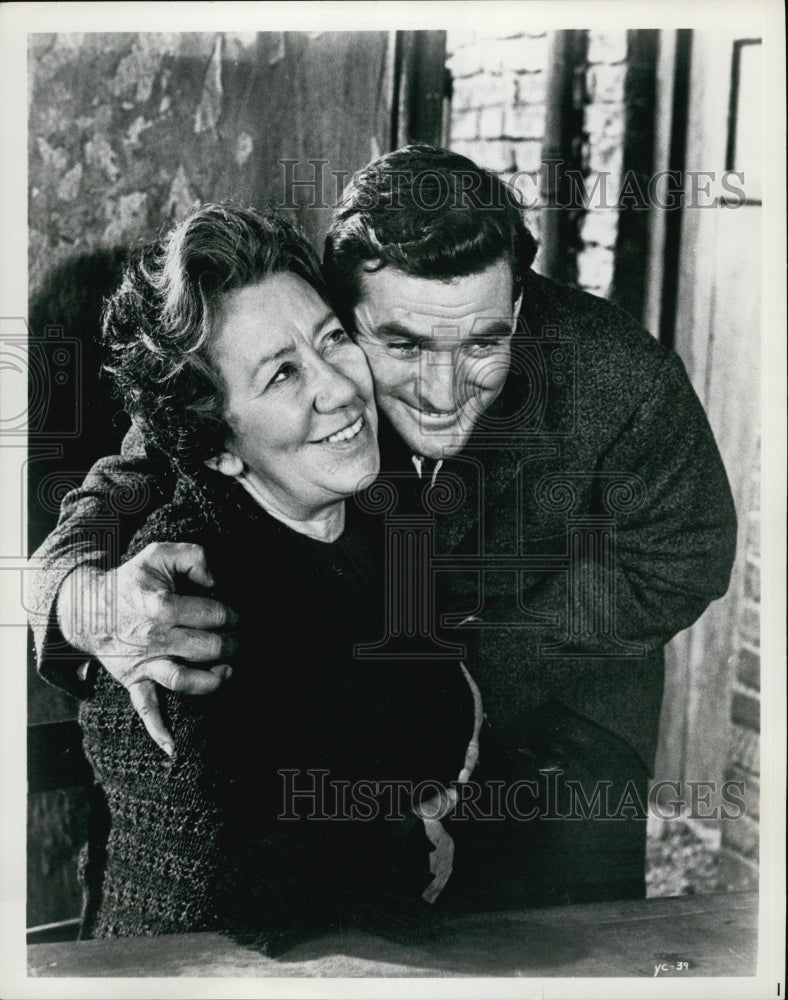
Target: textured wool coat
[(587, 521)]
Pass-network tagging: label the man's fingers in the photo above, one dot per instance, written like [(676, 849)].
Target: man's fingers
[(186, 680), (193, 612), (161, 641), (146, 704), (180, 557), (175, 677), (197, 645), (222, 671)]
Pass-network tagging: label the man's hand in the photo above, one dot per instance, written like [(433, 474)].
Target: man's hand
[(134, 622)]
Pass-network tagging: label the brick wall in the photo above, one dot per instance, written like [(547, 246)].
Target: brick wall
[(604, 122), (499, 93), (498, 118)]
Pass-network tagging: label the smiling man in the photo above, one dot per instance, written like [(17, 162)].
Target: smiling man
[(577, 511), (439, 350)]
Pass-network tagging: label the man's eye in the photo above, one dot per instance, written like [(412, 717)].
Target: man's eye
[(481, 348), (403, 349)]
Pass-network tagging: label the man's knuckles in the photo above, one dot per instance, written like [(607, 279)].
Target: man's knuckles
[(179, 678), (164, 607), (156, 553), (173, 677), (150, 638), (168, 558), (146, 635)]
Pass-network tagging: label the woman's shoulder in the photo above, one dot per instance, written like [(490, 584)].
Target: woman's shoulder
[(202, 511), (176, 521)]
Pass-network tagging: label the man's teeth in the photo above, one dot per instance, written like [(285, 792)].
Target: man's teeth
[(347, 433)]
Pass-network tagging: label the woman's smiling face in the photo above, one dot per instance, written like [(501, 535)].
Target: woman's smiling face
[(298, 394)]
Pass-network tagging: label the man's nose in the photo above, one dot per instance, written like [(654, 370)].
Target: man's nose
[(334, 389), (437, 391)]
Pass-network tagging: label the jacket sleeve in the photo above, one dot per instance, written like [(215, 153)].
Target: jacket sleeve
[(674, 535), (96, 522)]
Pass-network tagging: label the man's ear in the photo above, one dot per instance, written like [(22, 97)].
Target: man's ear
[(226, 463)]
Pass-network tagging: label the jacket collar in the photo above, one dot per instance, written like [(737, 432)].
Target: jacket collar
[(489, 455)]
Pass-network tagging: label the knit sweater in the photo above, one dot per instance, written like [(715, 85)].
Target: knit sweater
[(195, 842)]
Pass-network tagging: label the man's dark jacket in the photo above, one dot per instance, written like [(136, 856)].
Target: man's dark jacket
[(587, 521)]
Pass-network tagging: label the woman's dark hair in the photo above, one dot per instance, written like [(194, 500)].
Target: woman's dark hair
[(428, 212), (157, 326)]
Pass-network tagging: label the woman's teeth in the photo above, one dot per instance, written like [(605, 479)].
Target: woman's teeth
[(347, 433)]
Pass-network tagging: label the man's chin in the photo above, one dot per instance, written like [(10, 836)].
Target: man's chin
[(440, 444)]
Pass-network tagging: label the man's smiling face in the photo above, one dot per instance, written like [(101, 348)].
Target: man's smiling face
[(439, 350)]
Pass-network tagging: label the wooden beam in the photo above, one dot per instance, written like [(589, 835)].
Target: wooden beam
[(630, 275), (419, 89), (561, 213)]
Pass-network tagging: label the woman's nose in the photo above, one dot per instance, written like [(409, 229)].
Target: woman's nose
[(334, 388)]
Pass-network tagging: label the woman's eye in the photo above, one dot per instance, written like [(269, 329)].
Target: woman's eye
[(285, 372), (338, 336)]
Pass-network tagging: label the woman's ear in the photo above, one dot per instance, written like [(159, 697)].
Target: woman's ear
[(226, 463)]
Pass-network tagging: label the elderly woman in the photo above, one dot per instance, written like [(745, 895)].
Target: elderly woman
[(285, 804)]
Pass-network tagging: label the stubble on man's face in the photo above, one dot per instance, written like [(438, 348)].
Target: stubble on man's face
[(439, 350)]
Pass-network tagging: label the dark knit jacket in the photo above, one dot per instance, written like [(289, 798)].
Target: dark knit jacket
[(195, 842), (596, 420)]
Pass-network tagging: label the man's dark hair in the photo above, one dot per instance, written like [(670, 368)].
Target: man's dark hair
[(157, 327), (428, 212)]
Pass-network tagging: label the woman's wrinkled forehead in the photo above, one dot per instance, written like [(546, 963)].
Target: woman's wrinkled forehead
[(216, 303), (258, 321)]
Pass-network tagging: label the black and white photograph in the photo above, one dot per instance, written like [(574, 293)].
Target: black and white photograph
[(392, 426)]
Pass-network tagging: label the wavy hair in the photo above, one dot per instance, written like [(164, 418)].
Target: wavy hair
[(157, 326), (428, 212)]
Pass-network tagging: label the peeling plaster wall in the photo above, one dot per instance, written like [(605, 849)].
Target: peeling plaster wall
[(128, 131), (124, 135)]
